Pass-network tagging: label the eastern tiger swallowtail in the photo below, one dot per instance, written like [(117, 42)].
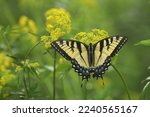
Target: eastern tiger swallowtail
[(90, 59)]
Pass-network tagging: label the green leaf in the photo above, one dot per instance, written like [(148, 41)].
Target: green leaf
[(34, 72), (147, 85), (144, 42), (146, 89)]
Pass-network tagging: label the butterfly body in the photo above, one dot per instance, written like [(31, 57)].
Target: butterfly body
[(92, 59)]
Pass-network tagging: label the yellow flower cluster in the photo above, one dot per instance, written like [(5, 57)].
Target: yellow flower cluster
[(91, 37), (58, 23), (6, 78), (5, 62), (26, 63), (46, 40), (28, 26), (5, 73)]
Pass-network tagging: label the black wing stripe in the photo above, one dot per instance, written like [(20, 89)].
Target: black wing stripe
[(79, 47), (101, 45), (67, 42), (111, 39), (72, 46), (101, 49), (80, 51), (107, 42)]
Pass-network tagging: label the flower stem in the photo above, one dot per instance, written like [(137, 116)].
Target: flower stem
[(84, 91), (7, 43), (25, 84), (123, 81), (29, 51), (54, 76)]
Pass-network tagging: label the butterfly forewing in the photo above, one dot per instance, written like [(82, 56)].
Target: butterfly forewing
[(72, 50)]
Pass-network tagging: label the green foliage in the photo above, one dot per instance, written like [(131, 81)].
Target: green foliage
[(144, 42), (146, 89), (19, 43)]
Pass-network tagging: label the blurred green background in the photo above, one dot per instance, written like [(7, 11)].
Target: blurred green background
[(117, 17)]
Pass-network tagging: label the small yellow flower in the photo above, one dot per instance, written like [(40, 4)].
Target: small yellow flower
[(18, 68), (80, 35), (32, 26), (47, 45), (56, 34), (23, 21), (92, 37), (46, 41), (34, 65), (5, 62), (26, 63), (58, 23), (6, 77), (58, 19), (49, 27), (28, 26), (44, 38)]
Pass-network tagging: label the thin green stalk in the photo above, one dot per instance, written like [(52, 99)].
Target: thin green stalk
[(29, 51), (84, 90), (54, 73), (54, 76), (28, 75), (123, 81), (25, 84), (7, 43)]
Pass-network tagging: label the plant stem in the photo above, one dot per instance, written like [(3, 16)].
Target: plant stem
[(84, 91), (25, 84), (29, 51), (124, 83), (54, 76), (7, 43)]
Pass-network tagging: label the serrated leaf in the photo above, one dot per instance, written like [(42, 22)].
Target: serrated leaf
[(144, 42)]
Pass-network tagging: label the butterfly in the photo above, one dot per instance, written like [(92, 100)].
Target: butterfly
[(92, 59)]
